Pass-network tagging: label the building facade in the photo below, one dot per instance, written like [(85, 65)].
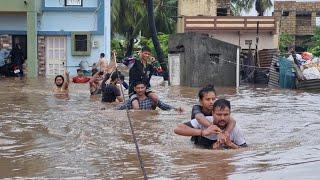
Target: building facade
[(297, 19), (55, 34), (214, 17)]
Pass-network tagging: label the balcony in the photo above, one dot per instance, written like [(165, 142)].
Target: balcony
[(242, 24)]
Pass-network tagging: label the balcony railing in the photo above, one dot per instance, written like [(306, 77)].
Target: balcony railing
[(213, 24)]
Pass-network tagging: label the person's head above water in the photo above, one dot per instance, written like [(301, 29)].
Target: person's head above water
[(59, 80), (207, 96), (221, 112), (140, 88), (145, 53), (116, 76)]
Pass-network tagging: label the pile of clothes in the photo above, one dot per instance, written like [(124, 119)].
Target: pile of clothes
[(309, 65)]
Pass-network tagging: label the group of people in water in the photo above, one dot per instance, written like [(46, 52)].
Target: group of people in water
[(211, 125)]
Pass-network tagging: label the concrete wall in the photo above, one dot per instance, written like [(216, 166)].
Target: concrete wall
[(265, 41), (195, 8), (196, 64)]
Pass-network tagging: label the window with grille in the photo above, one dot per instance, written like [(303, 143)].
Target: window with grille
[(81, 44)]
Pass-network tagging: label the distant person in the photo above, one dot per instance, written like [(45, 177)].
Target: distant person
[(125, 84), (94, 69), (103, 64), (220, 118), (4, 53), (4, 67), (95, 83), (111, 91), (80, 78), (62, 85), (17, 58), (145, 102), (84, 66)]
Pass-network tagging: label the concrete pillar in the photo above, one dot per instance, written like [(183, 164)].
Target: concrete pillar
[(107, 28), (32, 59)]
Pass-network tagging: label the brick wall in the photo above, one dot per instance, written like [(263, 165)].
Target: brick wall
[(41, 56), (289, 23)]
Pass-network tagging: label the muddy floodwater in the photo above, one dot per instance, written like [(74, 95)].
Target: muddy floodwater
[(42, 137)]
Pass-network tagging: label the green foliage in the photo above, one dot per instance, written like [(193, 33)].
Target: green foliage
[(119, 47), (285, 41), (315, 47), (163, 39)]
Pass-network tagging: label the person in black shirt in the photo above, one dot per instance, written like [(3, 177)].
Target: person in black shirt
[(110, 91), (141, 67)]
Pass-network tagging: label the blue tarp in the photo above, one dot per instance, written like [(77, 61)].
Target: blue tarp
[(287, 75)]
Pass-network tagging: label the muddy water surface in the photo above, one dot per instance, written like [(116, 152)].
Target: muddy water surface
[(45, 137)]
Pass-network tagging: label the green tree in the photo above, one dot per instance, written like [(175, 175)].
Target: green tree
[(261, 6), (155, 40), (315, 43), (285, 40), (129, 18)]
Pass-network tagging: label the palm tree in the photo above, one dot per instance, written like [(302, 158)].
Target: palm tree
[(262, 6), (155, 40), (128, 17), (245, 5)]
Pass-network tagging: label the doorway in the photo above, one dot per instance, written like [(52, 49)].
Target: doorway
[(55, 55)]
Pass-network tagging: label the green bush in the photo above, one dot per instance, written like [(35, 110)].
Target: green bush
[(163, 39), (315, 47), (285, 41)]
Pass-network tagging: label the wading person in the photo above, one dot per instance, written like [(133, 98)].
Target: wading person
[(111, 91), (141, 68), (207, 97), (17, 59), (220, 119), (62, 85), (145, 102)]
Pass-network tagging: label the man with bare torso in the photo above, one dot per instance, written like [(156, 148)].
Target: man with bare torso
[(62, 83)]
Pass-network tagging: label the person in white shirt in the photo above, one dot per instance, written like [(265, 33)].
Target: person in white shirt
[(220, 118)]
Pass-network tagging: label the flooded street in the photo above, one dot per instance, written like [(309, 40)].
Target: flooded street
[(44, 137)]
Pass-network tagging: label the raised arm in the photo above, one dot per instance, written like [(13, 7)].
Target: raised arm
[(67, 80), (106, 77), (196, 111)]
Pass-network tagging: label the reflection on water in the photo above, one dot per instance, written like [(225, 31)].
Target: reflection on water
[(45, 137)]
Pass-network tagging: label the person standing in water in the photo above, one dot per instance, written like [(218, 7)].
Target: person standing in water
[(220, 119), (61, 85), (207, 97)]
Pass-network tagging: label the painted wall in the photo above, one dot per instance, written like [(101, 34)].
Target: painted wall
[(73, 61), (264, 40), (60, 3), (13, 21), (19, 6), (72, 21)]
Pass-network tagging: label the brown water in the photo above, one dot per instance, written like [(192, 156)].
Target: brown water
[(44, 137)]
